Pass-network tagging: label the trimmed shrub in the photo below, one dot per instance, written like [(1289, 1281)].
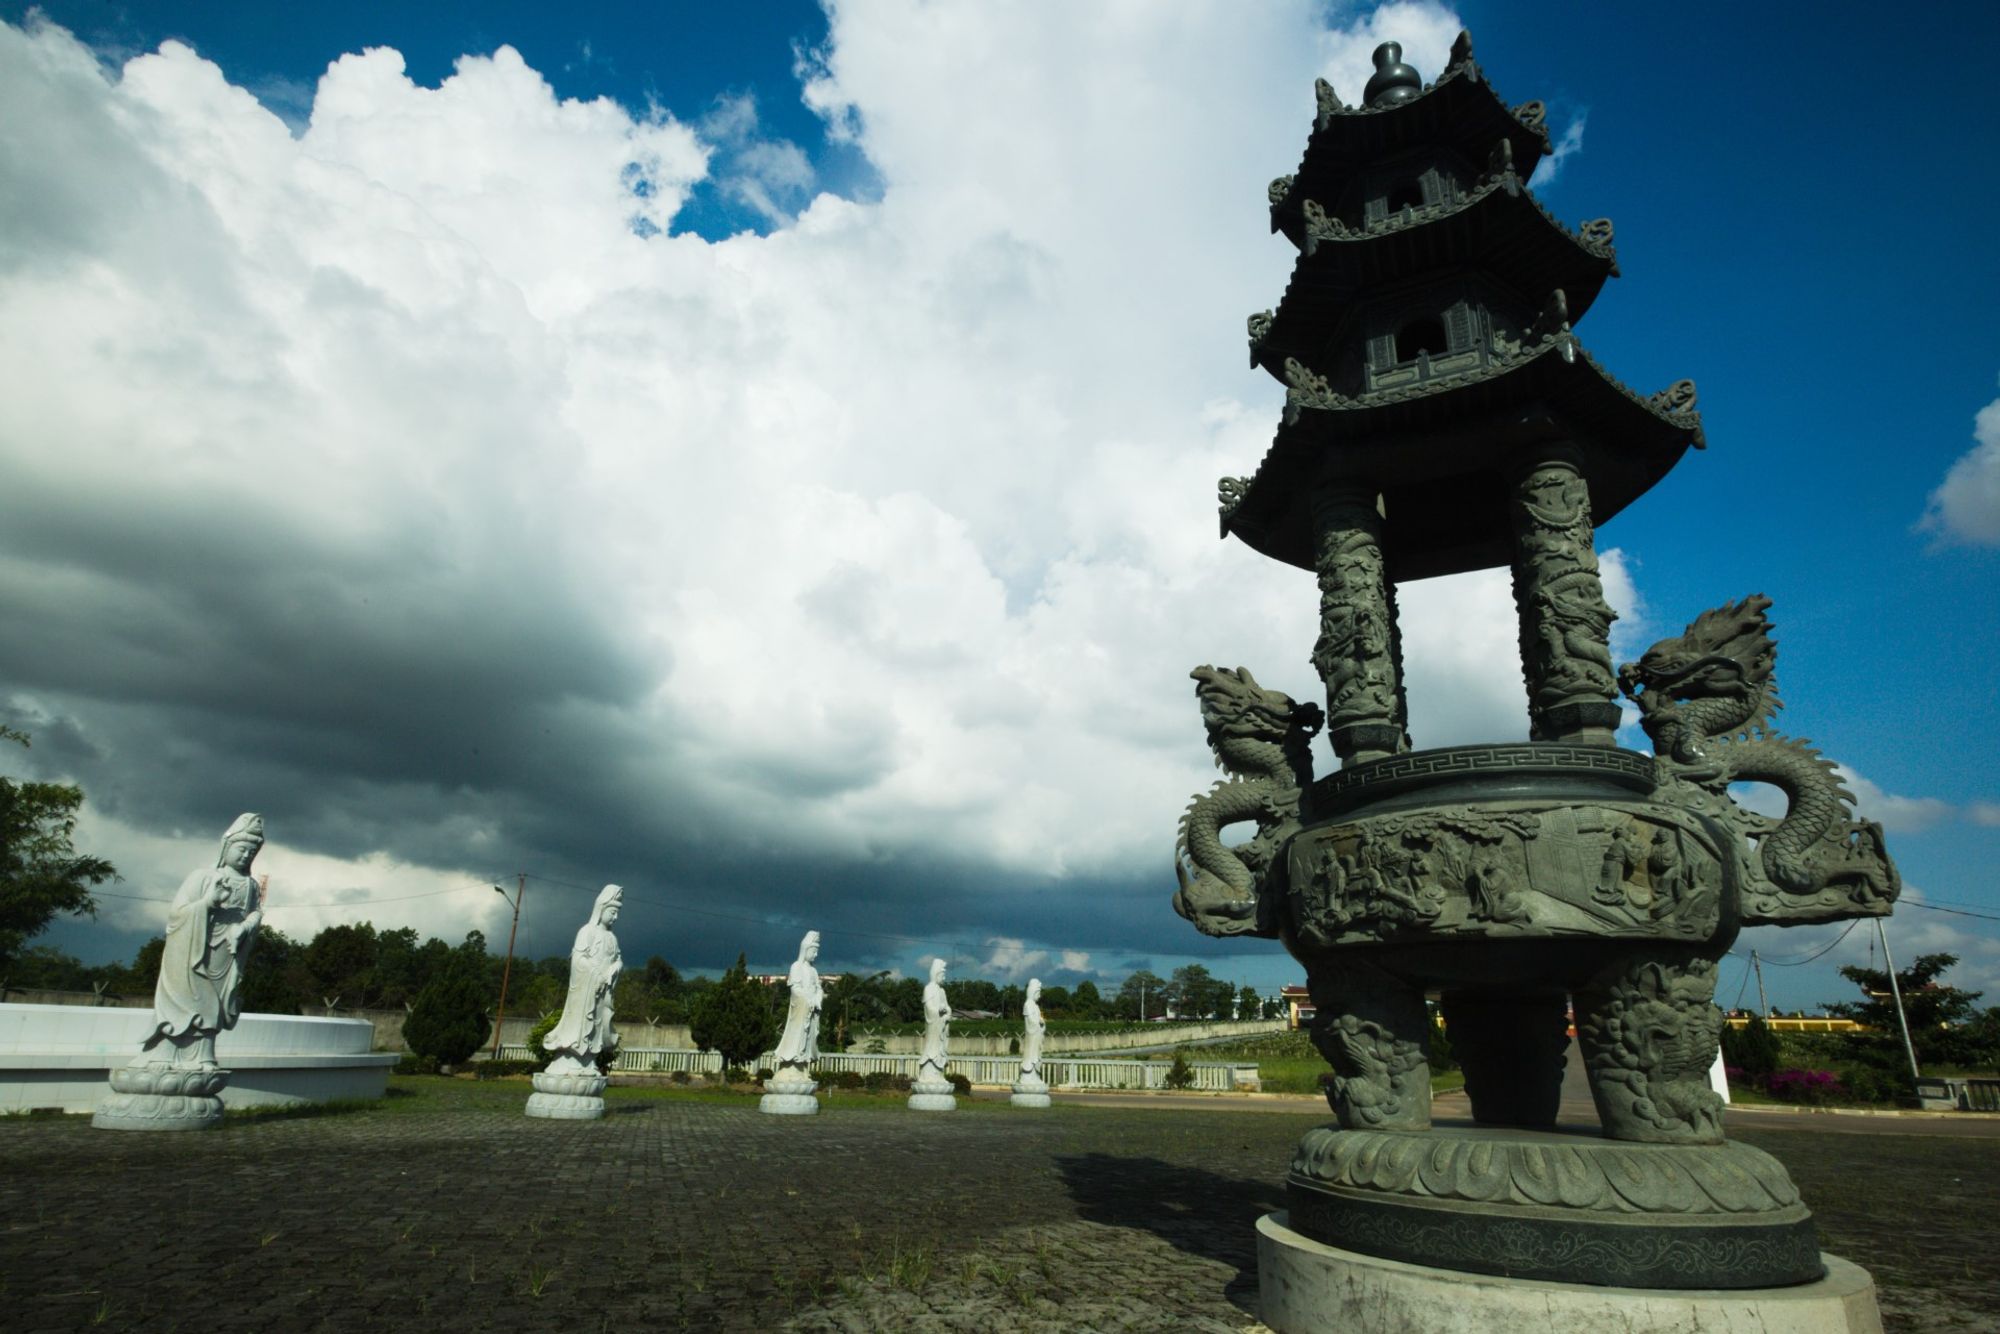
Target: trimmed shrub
[(734, 1018), (1180, 1074), (960, 1085), (681, 1077), (846, 1079), (882, 1081), (542, 1029), (1754, 1048), (413, 1064)]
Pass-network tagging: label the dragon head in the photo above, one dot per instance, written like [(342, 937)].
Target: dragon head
[(1726, 655), (1233, 705)]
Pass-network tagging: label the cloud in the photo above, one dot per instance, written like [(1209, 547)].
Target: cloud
[(1570, 142), (1896, 814), (772, 176), (412, 480), (1984, 813), (1965, 508)]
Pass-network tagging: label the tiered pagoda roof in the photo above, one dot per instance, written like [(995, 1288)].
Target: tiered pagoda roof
[(1425, 336)]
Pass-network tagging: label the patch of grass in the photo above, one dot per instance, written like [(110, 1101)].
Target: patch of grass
[(910, 1268)]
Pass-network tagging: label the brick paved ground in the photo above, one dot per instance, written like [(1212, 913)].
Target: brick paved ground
[(448, 1210)]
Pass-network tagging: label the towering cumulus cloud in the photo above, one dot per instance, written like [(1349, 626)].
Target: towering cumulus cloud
[(412, 478)]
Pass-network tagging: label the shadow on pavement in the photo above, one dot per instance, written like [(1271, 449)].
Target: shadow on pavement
[(1200, 1212)]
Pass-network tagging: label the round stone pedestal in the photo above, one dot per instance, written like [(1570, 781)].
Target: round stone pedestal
[(1307, 1287), (568, 1095), (163, 1097), (925, 1097), (1560, 1206), (788, 1097), (1030, 1091)]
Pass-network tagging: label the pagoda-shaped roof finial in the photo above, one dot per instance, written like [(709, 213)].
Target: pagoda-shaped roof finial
[(1394, 83)]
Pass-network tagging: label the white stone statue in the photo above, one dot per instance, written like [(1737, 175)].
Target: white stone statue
[(789, 1090), (174, 1083), (932, 1090), (572, 1087), (1031, 1089)]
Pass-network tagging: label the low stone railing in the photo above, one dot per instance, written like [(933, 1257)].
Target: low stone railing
[(988, 1071)]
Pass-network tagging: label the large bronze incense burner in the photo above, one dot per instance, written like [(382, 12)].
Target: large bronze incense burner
[(1442, 416)]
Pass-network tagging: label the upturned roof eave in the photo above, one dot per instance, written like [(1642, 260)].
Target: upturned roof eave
[(1584, 403), (1571, 261)]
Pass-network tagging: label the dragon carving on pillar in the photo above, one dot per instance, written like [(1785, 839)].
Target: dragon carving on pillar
[(1262, 740), (1706, 698)]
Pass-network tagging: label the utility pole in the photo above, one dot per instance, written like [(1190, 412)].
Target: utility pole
[(1896, 992), (508, 971), (1763, 1002)]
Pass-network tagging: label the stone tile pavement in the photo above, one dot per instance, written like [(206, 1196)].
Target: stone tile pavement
[(455, 1212), (446, 1210)]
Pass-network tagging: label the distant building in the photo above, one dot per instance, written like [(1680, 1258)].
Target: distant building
[(1298, 1004)]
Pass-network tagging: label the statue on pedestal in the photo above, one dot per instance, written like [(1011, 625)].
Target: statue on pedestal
[(789, 1090), (572, 1087), (1030, 1088), (174, 1082), (932, 1090)]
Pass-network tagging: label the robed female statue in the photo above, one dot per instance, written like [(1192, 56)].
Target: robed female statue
[(937, 1028), (211, 924), (1032, 1028), (799, 1046), (585, 1028)]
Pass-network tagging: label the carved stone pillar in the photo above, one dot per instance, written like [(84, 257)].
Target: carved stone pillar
[(1356, 654), (1565, 621)]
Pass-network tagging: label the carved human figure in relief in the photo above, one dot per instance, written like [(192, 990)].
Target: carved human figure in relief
[(585, 1028), (937, 1028), (211, 925), (1032, 1029), (799, 1046)]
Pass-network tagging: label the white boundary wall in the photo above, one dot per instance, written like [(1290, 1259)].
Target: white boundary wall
[(63, 1055), (989, 1071)]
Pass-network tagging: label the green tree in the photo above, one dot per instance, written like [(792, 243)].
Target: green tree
[(1012, 997), (399, 967), (275, 979), (1140, 997), (856, 998), (41, 872), (905, 1000), (341, 960), (448, 1022), (1933, 1008), (1248, 1006), (973, 993), (734, 1018), (1057, 1003), (1180, 1074), (1084, 1002)]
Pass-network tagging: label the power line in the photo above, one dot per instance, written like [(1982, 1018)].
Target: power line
[(1816, 954), (1955, 912)]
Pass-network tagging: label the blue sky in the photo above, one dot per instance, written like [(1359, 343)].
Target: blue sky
[(964, 376)]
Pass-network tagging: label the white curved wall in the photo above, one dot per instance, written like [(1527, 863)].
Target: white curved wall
[(63, 1055)]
